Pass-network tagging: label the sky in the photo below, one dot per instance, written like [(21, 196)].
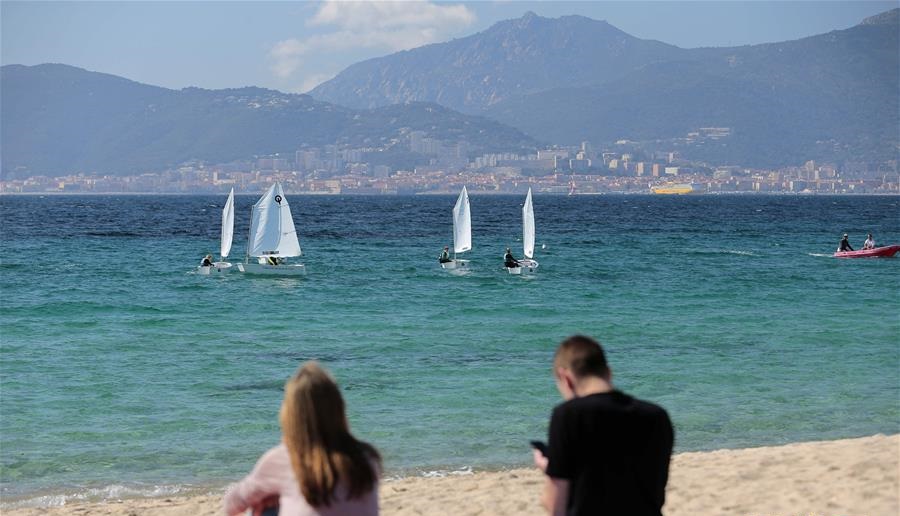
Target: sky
[(293, 46)]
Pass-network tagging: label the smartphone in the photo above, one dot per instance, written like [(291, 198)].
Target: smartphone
[(540, 446)]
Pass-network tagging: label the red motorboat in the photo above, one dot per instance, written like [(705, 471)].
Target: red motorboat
[(878, 252)]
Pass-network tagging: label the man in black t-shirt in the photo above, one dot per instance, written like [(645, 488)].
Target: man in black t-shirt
[(608, 452)]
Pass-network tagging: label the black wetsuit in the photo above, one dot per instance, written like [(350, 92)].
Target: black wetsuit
[(509, 261), (845, 245), (445, 257), (206, 263)]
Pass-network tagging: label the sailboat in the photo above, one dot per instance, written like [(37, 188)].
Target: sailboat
[(222, 266), (527, 264), (272, 237), (462, 231)]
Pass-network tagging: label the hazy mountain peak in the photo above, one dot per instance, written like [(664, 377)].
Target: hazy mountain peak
[(532, 21), (891, 17), (512, 57), (62, 72)]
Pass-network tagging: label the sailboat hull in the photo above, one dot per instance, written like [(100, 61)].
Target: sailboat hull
[(215, 268), (526, 266), (293, 269), (455, 264)]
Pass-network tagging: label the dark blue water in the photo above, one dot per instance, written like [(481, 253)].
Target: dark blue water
[(125, 372)]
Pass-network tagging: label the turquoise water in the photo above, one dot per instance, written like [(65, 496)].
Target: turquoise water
[(125, 373)]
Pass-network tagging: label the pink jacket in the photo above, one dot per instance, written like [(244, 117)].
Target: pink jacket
[(274, 476)]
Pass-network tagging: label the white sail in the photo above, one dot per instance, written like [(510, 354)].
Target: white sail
[(227, 225), (528, 227), (272, 230), (462, 223)]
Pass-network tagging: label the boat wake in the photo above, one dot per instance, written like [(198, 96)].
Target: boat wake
[(820, 255), (724, 251)]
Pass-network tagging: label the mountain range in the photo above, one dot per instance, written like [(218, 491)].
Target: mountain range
[(830, 96), (58, 119), (519, 84)]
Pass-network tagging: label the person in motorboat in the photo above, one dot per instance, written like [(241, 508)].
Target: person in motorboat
[(845, 244), (445, 255), (207, 261), (869, 243), (508, 261)]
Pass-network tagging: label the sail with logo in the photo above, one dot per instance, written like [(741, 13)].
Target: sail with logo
[(273, 238)]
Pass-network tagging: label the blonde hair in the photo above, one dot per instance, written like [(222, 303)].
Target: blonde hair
[(323, 452)]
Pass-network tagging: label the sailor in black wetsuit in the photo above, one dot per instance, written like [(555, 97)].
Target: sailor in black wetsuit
[(445, 255), (508, 261), (207, 261), (845, 244)]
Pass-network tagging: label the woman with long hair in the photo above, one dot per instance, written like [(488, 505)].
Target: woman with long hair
[(319, 468)]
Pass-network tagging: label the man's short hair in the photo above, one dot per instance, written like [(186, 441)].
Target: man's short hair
[(583, 356)]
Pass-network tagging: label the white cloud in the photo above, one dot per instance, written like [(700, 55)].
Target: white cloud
[(286, 56), (376, 25), (390, 15)]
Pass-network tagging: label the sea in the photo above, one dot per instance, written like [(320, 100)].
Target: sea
[(124, 373)]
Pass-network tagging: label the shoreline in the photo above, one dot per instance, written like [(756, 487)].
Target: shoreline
[(857, 476), (452, 193)]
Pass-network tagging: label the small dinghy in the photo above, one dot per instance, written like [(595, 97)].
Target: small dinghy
[(222, 267), (273, 238), (528, 264), (462, 231), (887, 251)]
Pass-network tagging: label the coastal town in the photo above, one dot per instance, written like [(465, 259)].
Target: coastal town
[(442, 167)]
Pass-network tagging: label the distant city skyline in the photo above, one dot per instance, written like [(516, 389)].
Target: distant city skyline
[(294, 46)]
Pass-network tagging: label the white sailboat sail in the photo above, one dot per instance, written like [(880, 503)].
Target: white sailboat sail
[(528, 227), (227, 225), (462, 223), (272, 230), (527, 264)]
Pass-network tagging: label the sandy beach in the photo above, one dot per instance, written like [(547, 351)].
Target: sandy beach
[(849, 476)]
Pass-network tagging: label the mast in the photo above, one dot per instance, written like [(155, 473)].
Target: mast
[(249, 236)]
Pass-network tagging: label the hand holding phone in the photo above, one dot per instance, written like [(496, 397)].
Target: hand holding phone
[(540, 446), (540, 455)]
